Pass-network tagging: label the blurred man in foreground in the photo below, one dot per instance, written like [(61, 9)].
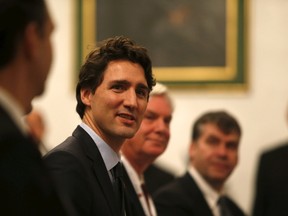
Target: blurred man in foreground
[(25, 59)]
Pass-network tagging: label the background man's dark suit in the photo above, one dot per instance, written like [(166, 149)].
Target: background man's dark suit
[(182, 197), (81, 176), (272, 183), (156, 177), (25, 186)]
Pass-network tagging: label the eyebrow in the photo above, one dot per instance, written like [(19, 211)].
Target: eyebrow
[(150, 112), (125, 82)]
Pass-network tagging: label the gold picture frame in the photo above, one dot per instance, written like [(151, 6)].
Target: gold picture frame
[(231, 75)]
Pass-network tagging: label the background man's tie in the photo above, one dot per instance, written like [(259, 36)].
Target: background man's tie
[(224, 210), (146, 194)]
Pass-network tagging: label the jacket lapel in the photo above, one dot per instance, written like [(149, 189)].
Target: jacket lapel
[(199, 206), (99, 168)]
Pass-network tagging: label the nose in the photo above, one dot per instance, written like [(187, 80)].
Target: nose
[(162, 127), (130, 99), (222, 150)]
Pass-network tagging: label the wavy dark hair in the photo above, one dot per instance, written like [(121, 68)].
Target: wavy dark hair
[(116, 48), (223, 120)]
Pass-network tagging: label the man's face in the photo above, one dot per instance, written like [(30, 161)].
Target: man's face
[(215, 154), (117, 107), (153, 135)]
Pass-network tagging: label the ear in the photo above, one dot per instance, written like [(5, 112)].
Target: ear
[(86, 96), (31, 41)]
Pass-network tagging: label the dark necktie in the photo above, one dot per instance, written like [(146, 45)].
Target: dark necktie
[(224, 210), (146, 194), (118, 187)]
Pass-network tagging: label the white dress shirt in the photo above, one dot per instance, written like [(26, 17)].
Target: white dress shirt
[(211, 196), (137, 181)]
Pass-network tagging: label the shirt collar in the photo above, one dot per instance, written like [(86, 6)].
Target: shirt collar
[(110, 157), (135, 178), (211, 196)]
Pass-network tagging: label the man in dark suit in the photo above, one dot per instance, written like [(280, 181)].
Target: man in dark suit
[(272, 182), (149, 142), (25, 58), (112, 94), (213, 156)]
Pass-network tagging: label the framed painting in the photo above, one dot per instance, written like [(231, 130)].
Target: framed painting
[(192, 43)]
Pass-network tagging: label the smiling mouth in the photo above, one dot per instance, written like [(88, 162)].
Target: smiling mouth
[(126, 116), (160, 142), (222, 166)]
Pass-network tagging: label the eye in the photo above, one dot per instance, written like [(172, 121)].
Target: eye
[(118, 87), (212, 141), (142, 93), (232, 145), (150, 117), (168, 120)]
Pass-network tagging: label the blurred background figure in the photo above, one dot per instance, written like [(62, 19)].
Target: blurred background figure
[(37, 128), (140, 151), (155, 177), (213, 156), (272, 182)]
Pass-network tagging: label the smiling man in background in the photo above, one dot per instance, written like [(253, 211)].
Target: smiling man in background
[(140, 151), (213, 156)]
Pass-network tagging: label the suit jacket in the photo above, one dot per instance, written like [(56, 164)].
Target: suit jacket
[(25, 185), (156, 177), (272, 183), (182, 197), (81, 176), (132, 197)]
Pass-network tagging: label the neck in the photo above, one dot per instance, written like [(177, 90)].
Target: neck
[(114, 142), (217, 187), (213, 183), (139, 166)]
